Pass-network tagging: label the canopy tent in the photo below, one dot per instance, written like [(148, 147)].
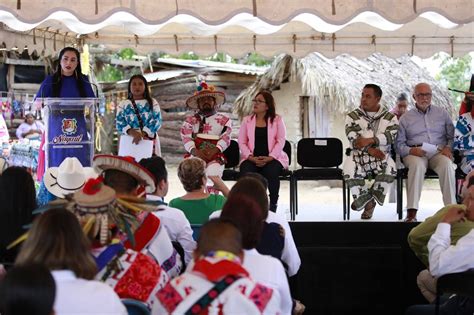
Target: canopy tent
[(237, 27)]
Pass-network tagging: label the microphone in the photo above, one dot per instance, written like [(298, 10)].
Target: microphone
[(85, 79)]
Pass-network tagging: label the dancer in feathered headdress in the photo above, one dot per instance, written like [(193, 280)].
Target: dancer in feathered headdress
[(206, 134)]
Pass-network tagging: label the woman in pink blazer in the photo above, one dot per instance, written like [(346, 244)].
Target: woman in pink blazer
[(261, 141)]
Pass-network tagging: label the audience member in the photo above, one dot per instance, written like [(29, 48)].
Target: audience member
[(132, 274), (175, 221), (17, 200), (27, 289), (57, 241), (124, 175), (217, 282), (262, 137), (370, 129), (424, 141), (246, 213), (445, 258), (421, 234), (246, 185), (197, 204)]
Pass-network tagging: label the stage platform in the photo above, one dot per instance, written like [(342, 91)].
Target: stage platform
[(355, 268)]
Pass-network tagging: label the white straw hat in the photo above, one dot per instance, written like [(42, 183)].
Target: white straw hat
[(68, 178)]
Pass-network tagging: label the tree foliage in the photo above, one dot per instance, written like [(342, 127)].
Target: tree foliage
[(455, 73), (126, 53), (257, 60), (110, 74)]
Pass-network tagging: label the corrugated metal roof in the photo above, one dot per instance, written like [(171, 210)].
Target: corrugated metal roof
[(161, 75), (214, 65)]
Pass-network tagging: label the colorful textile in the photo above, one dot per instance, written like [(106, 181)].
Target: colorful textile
[(127, 119), (153, 240), (464, 141), (243, 296), (132, 274), (360, 165), (218, 124)]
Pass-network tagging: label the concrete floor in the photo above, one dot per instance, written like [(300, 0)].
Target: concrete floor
[(322, 203)]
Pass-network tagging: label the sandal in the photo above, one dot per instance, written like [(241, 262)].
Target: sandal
[(368, 210)]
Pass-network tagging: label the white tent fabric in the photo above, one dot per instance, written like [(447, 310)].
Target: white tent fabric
[(270, 27), (216, 12)]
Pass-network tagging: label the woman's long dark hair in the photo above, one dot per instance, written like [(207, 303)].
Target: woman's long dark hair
[(56, 240), (146, 93), (80, 78), (17, 200), (28, 289), (270, 114)]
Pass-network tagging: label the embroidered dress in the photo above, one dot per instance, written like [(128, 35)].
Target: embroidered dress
[(464, 141), (132, 275), (216, 285), (127, 119), (360, 166), (218, 125)]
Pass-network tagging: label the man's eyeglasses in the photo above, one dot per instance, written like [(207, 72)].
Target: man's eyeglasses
[(424, 95), (258, 101)]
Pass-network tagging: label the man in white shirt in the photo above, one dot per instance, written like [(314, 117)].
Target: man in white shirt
[(126, 176), (217, 283), (290, 255), (176, 223), (445, 258)]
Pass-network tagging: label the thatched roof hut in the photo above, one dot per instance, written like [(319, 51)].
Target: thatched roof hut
[(339, 81)]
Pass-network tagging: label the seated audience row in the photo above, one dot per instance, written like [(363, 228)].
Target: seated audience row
[(128, 236)]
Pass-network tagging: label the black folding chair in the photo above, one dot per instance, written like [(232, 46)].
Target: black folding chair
[(232, 153), (430, 174), (287, 174), (461, 284), (320, 159)]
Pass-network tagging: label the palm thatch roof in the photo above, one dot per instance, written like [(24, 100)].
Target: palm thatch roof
[(338, 82)]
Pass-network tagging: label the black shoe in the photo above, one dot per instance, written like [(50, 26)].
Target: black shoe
[(411, 215)]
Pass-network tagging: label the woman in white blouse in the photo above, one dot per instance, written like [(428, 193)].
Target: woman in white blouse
[(30, 128), (57, 241)]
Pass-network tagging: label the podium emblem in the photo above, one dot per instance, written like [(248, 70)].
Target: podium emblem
[(69, 126)]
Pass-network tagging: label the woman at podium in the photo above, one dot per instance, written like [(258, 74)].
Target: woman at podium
[(66, 82)]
